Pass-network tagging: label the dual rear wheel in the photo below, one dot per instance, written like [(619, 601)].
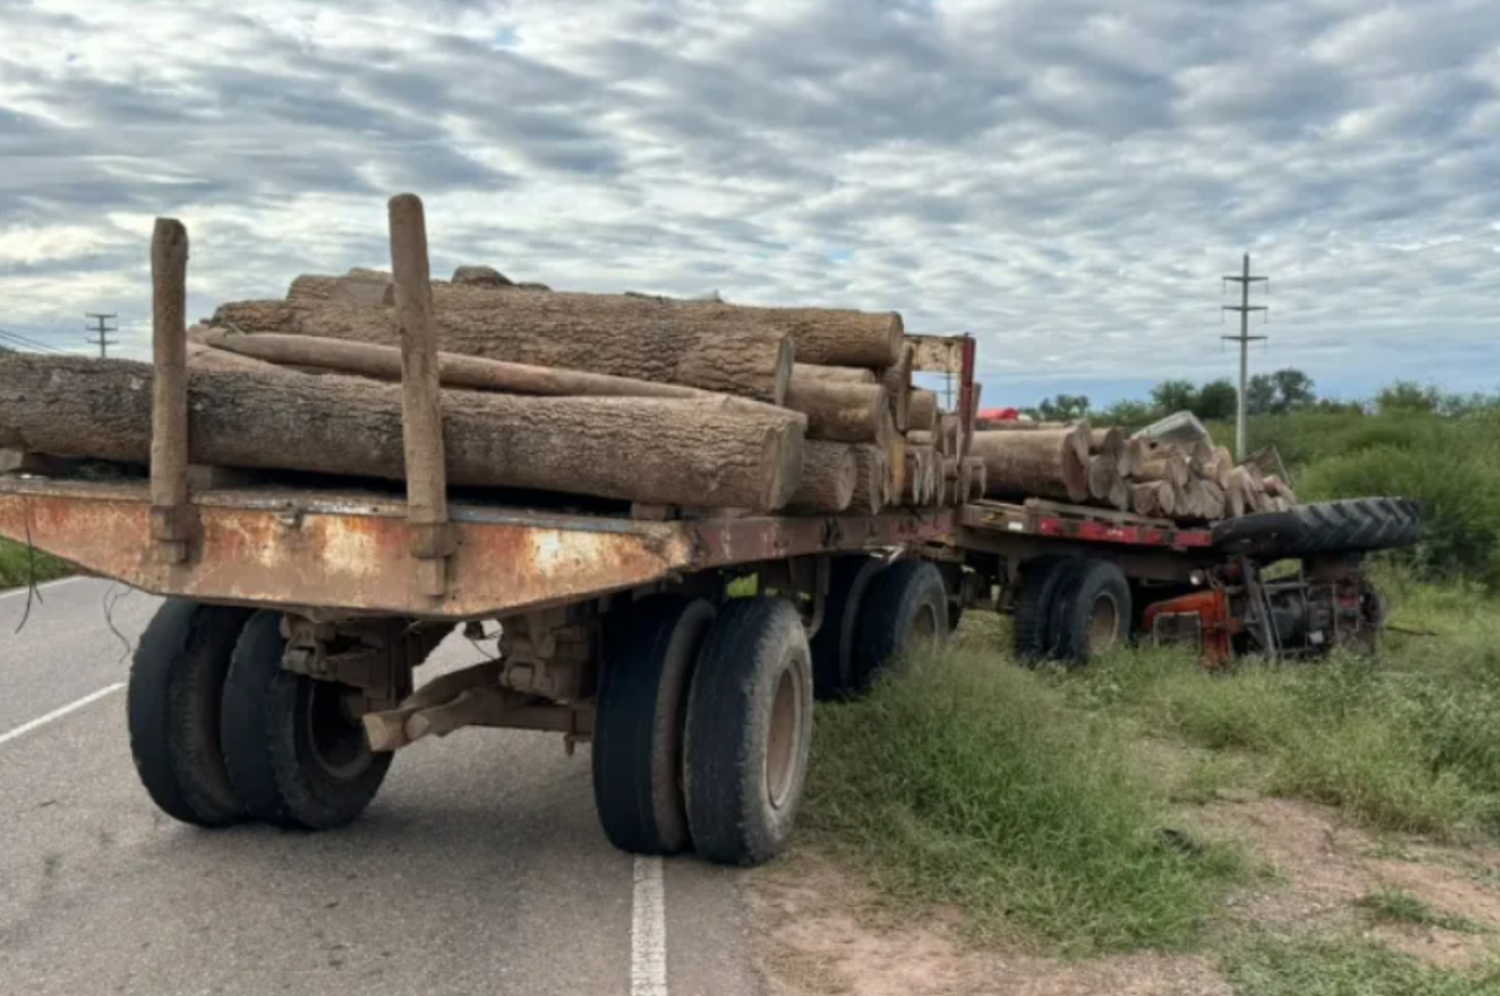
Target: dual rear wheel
[(221, 733), (704, 726), (702, 735), (1071, 610)]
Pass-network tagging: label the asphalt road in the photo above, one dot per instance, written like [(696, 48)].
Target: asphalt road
[(479, 869)]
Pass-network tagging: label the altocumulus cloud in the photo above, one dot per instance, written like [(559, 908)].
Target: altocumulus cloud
[(1066, 180)]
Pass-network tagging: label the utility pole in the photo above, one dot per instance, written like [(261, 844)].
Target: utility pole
[(101, 330), (1244, 279)]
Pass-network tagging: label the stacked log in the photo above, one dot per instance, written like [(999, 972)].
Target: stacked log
[(652, 450), (922, 410), (897, 382), (627, 397), (829, 476), (1188, 481), (1044, 463)]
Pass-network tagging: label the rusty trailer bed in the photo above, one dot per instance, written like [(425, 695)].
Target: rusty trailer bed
[(350, 552)]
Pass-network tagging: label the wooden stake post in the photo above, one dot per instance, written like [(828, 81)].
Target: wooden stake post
[(172, 520), (421, 397)]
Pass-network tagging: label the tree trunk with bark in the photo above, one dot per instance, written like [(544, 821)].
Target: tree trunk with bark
[(1044, 464), (364, 359), (828, 478), (1156, 499), (1166, 465), (712, 347), (654, 450), (872, 477), (839, 411), (1110, 442), (847, 375), (922, 410), (897, 381), (1213, 501)]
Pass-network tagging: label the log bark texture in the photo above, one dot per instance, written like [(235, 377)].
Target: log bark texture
[(872, 478), (897, 381), (1103, 473), (1050, 463), (828, 478), (922, 410), (1213, 501), (456, 370), (657, 450), (201, 357), (716, 348), (839, 411), (366, 288), (848, 375), (830, 336), (1108, 442)]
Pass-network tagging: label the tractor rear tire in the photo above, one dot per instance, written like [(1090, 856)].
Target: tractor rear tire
[(1356, 525)]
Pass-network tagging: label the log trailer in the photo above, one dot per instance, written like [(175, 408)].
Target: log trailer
[(277, 680)]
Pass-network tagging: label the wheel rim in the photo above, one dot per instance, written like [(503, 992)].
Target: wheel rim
[(784, 742), (1104, 624), (335, 740)]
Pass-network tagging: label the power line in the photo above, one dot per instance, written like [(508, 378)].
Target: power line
[(1244, 339), (101, 331), (32, 344)]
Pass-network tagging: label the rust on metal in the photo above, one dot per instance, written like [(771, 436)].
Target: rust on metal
[(938, 354), (354, 558), (349, 552)]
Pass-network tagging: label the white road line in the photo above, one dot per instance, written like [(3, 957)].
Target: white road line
[(26, 728), (648, 931), (41, 587)]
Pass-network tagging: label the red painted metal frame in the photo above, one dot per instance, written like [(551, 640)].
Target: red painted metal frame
[(1079, 525)]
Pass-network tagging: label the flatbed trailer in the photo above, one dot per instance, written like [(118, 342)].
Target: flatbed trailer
[(686, 646), (279, 677)]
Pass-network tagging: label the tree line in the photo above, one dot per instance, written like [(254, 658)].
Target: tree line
[(1281, 392)]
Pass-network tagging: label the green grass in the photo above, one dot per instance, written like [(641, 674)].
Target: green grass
[(18, 566), (1399, 906), (966, 781), (1035, 800), (1337, 967), (1404, 741)]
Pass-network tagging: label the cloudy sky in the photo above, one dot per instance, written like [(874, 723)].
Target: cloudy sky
[(1066, 180)]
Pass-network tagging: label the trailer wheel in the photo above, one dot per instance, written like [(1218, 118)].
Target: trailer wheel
[(749, 732), (833, 648), (649, 651), (905, 609), (1092, 611), (1032, 629), (172, 710), (294, 753)]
